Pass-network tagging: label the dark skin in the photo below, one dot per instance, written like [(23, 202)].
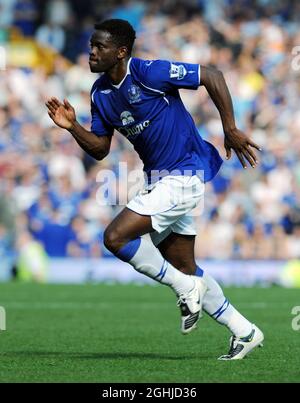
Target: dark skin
[(106, 56), (178, 250)]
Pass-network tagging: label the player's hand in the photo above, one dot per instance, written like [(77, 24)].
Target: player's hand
[(242, 146), (62, 114)]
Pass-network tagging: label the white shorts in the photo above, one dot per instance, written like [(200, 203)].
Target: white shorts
[(170, 202)]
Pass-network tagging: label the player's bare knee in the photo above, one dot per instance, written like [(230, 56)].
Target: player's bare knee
[(112, 240)]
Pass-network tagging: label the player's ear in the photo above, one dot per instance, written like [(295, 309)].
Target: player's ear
[(122, 52)]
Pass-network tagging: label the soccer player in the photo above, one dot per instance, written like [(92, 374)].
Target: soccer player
[(141, 100)]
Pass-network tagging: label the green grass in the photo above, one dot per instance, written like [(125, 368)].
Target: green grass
[(127, 333)]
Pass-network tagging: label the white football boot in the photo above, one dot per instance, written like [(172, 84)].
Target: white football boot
[(190, 305), (241, 346)]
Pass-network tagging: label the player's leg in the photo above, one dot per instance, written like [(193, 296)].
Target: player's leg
[(123, 238), (179, 250), (157, 207)]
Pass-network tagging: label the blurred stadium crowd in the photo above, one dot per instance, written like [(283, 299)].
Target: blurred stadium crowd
[(48, 185)]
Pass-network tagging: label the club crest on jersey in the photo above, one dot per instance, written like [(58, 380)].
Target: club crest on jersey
[(134, 94), (178, 72), (126, 118)]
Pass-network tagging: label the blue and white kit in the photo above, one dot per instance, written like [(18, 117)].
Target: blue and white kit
[(146, 108)]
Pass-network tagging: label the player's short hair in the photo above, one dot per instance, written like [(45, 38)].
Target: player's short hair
[(121, 31)]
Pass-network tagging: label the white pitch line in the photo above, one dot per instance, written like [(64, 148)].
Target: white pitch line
[(100, 305)]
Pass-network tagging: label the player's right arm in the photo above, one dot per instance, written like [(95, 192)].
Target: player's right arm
[(64, 116)]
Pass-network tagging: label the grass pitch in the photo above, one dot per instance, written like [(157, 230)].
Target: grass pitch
[(127, 333)]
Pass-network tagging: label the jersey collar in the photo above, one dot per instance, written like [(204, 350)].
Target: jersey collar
[(117, 86)]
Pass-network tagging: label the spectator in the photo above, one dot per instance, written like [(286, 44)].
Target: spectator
[(50, 184)]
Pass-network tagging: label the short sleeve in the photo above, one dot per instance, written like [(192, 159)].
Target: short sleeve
[(165, 75), (98, 127)]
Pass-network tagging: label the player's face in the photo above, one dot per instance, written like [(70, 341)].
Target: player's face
[(104, 54)]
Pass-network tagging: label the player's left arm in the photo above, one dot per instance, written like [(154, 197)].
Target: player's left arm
[(214, 82)]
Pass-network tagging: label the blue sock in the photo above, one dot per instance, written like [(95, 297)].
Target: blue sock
[(199, 272), (127, 251)]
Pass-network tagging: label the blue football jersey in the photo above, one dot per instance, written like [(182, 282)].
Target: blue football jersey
[(147, 109)]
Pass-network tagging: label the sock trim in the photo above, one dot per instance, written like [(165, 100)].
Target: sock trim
[(199, 272), (127, 251), (163, 271), (221, 310)]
